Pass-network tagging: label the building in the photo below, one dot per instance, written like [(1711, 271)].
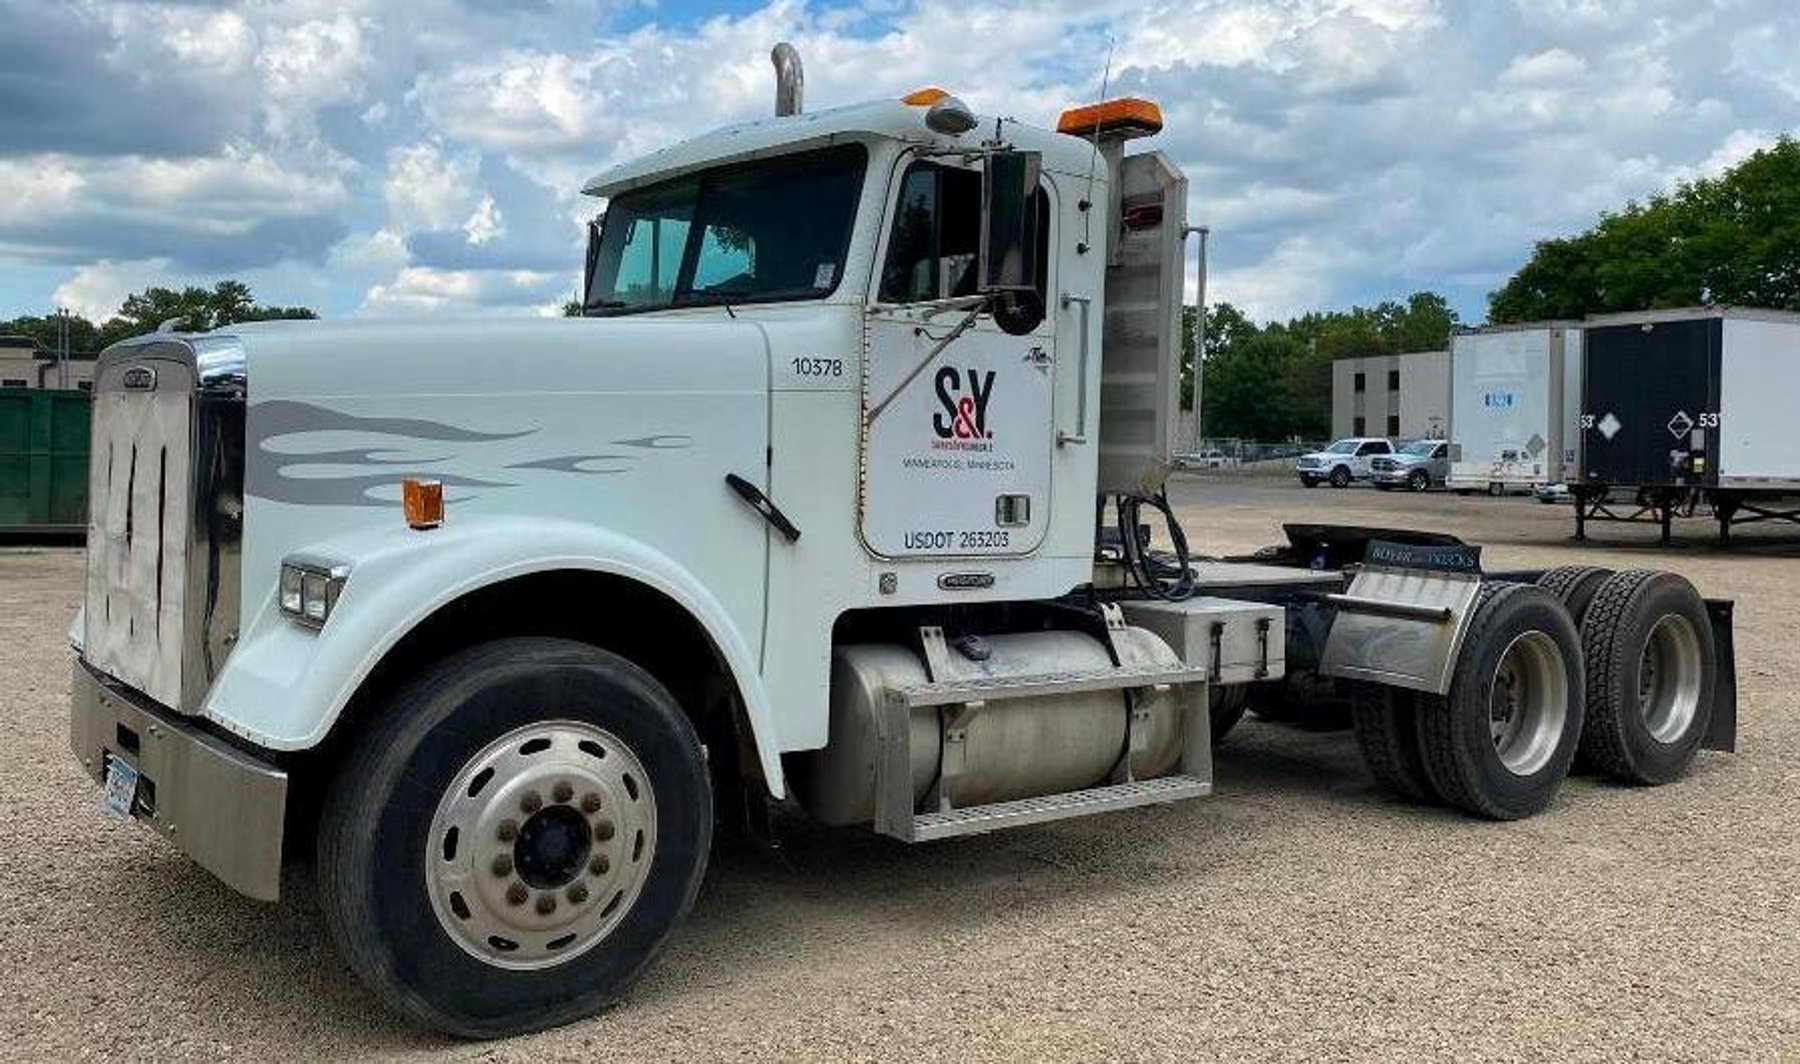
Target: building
[(1398, 396), (26, 364)]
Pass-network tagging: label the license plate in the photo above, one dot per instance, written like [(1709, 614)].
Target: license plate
[(121, 787)]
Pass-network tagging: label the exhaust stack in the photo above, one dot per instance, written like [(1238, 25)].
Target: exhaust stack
[(790, 80)]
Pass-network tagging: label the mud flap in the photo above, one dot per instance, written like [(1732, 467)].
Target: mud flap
[(1721, 734)]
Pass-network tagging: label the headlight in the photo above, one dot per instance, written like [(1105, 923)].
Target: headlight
[(310, 588)]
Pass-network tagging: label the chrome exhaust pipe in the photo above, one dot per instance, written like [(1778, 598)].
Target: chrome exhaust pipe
[(790, 80)]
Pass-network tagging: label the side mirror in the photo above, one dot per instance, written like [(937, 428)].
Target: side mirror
[(1009, 252)]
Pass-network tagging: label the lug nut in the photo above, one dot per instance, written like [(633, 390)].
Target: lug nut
[(503, 865), (517, 894), (603, 830), (599, 865), (532, 802), (563, 791), (590, 802), (509, 830), (577, 894), (545, 905)]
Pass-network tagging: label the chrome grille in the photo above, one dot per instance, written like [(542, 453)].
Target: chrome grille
[(165, 514)]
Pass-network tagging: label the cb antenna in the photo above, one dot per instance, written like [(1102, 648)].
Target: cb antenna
[(1087, 211)]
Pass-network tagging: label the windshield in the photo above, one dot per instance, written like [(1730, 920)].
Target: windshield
[(1422, 448), (1342, 447), (761, 231)]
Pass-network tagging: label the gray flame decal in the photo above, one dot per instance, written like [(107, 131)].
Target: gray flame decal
[(267, 471), (577, 463), (658, 443)]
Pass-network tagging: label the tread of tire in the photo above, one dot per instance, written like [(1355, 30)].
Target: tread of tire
[(1564, 579), (1436, 730), (1388, 737), (1600, 746)]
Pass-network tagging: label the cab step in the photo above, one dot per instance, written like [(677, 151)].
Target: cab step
[(1111, 798)]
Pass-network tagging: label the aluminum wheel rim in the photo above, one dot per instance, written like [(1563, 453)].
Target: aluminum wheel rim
[(1669, 678), (1528, 703), (541, 844)]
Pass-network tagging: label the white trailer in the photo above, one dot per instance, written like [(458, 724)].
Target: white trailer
[(1515, 395), (801, 511)]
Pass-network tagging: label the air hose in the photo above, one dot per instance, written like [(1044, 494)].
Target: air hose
[(1163, 575)]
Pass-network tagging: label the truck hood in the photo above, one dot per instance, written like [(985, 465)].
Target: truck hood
[(489, 356)]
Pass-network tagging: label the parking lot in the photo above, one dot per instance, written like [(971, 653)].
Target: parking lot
[(1300, 913)]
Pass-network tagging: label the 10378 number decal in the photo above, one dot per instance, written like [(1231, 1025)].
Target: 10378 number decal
[(818, 367)]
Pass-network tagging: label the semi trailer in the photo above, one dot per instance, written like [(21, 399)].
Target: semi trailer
[(835, 501), (1690, 408), (1515, 392)]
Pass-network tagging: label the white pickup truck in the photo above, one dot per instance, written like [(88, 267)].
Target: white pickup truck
[(498, 619)]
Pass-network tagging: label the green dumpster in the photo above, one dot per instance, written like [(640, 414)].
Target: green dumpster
[(43, 460)]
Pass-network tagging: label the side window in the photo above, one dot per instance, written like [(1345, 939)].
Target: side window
[(1372, 447), (937, 236), (654, 239)]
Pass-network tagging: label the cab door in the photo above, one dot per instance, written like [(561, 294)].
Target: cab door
[(957, 431)]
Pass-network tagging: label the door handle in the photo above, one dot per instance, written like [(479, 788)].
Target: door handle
[(761, 503), (1064, 439)]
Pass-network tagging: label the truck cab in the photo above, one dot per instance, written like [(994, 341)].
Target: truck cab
[(836, 496)]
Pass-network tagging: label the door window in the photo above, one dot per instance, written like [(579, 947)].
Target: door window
[(936, 236)]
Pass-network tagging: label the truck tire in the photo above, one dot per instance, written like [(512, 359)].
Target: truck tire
[(1651, 676), (1499, 744), (1340, 477), (1225, 706), (1575, 586), (513, 837), (1387, 732), (1419, 480)]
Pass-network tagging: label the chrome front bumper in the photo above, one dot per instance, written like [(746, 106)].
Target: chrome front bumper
[(223, 807)]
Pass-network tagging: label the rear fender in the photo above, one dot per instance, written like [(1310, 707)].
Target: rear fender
[(285, 685)]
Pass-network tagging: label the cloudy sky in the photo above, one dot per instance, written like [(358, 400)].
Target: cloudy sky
[(388, 157)]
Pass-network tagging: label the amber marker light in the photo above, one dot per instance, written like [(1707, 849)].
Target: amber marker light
[(423, 501), (923, 97), (1124, 117)]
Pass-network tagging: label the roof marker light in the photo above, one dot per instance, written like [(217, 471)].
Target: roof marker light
[(1124, 117), (923, 97)]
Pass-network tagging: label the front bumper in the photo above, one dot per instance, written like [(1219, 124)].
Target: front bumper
[(222, 806), (1390, 476)]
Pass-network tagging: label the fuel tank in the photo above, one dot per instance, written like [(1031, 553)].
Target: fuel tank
[(1015, 748)]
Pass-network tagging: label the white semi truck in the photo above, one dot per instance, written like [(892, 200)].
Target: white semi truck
[(833, 500)]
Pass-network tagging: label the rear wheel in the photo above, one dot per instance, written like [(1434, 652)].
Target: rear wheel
[(1226, 706), (1387, 732), (1496, 490), (1340, 477), (514, 837), (1651, 676), (1499, 743), (1575, 586)]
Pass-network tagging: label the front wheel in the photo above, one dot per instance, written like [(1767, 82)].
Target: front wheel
[(1310, 482), (1340, 477), (1418, 480), (514, 837)]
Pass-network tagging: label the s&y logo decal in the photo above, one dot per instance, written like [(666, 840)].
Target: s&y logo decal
[(962, 424)]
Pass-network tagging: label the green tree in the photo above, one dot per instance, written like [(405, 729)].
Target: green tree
[(192, 309), (1732, 239)]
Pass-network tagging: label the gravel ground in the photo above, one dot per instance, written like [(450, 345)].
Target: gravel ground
[(1299, 914)]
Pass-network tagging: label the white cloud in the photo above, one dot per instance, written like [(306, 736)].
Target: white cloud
[(95, 291), (425, 189), (396, 156), (417, 290)]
